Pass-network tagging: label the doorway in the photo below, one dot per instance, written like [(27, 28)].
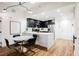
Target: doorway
[(0, 33)]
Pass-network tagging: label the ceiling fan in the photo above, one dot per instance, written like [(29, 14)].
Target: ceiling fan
[(20, 4)]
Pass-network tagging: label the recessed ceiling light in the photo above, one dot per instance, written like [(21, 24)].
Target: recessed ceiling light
[(58, 10), (42, 13)]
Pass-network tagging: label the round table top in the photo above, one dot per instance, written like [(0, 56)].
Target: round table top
[(21, 38)]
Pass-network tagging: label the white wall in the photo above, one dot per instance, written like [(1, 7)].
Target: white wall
[(23, 25), (64, 28), (63, 21), (7, 17)]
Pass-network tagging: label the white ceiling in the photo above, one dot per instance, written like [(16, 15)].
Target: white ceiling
[(37, 8)]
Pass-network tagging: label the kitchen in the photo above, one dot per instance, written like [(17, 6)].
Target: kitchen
[(46, 35)]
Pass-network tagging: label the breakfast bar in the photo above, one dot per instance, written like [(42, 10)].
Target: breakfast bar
[(43, 39)]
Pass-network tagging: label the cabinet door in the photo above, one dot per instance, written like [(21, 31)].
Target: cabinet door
[(42, 40), (51, 40)]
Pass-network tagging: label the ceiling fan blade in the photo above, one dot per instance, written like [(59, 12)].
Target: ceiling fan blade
[(11, 6), (20, 4)]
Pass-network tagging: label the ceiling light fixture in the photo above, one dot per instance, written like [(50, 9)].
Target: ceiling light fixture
[(43, 13), (58, 10), (20, 4), (4, 10)]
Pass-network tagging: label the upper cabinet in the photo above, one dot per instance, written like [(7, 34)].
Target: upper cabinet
[(38, 23)]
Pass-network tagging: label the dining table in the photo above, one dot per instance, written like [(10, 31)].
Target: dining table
[(21, 40)]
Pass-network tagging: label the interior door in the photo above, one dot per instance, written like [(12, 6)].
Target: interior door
[(0, 33), (76, 52)]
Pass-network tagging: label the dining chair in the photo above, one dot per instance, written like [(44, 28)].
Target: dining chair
[(16, 42), (30, 43), (19, 43), (16, 35), (11, 47)]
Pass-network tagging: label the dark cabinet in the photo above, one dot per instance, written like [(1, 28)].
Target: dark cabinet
[(38, 23)]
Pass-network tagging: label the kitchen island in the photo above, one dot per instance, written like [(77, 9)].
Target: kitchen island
[(44, 39)]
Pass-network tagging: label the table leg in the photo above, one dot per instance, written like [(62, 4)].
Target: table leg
[(22, 49)]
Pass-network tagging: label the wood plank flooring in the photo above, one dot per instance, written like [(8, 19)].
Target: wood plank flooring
[(61, 47)]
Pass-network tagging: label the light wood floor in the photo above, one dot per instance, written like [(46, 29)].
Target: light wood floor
[(61, 47)]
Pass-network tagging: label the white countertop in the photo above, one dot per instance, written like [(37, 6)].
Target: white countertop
[(36, 32)]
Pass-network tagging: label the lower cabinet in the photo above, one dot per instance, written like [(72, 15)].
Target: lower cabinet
[(45, 40)]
